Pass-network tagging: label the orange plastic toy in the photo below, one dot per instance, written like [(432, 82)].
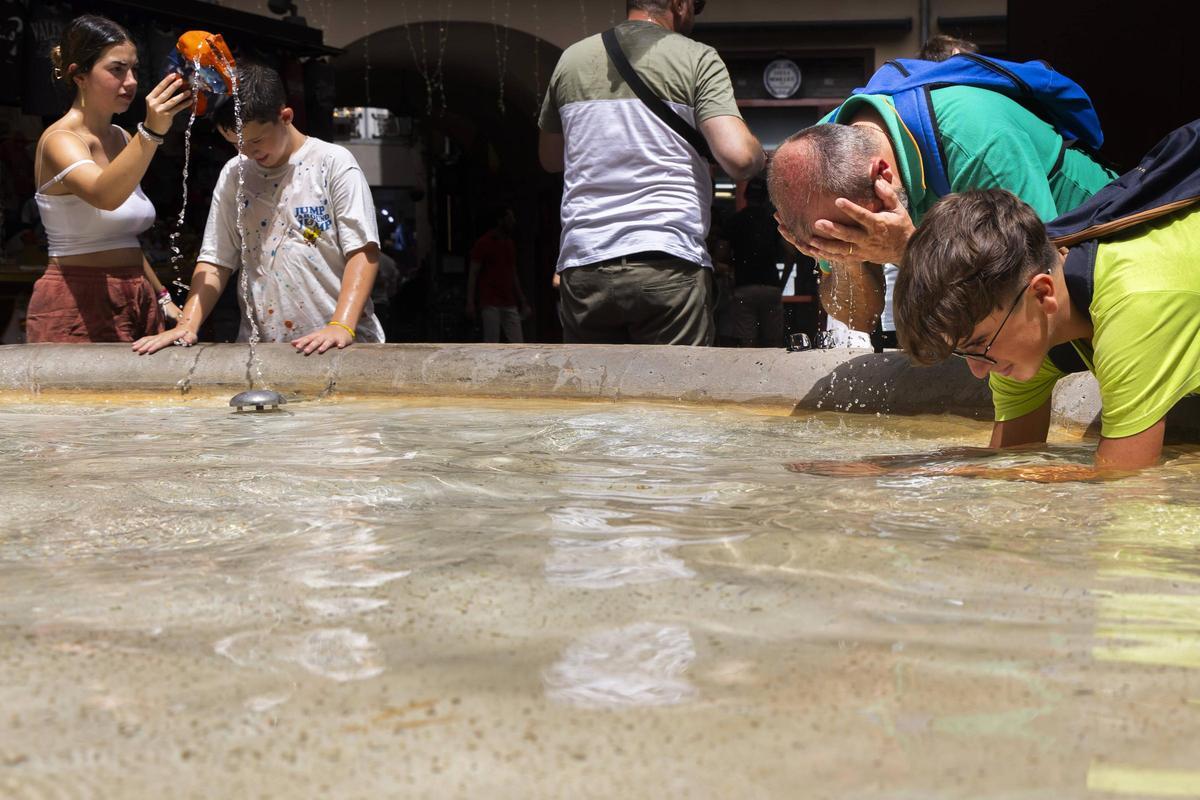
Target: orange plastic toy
[(204, 60)]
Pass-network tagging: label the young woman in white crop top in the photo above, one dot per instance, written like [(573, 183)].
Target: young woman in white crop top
[(98, 286)]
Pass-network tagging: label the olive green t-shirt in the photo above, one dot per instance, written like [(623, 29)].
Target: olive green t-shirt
[(630, 182), (686, 74), (1145, 348)]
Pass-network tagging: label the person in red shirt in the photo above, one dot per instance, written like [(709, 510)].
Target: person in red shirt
[(492, 286)]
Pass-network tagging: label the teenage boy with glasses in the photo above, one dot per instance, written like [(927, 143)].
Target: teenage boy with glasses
[(982, 356), (1129, 306), (1139, 332)]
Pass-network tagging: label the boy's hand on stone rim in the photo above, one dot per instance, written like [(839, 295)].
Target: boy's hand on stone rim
[(320, 341), (152, 344)]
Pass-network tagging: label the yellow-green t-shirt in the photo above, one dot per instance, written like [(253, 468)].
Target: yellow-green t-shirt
[(1145, 347)]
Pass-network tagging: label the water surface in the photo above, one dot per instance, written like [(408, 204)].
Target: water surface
[(369, 599)]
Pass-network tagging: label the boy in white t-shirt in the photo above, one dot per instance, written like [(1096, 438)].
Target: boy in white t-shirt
[(311, 246)]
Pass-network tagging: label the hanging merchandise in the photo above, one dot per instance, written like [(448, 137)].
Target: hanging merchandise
[(46, 23), (320, 96), (292, 72), (204, 61), (501, 48), (12, 50), (537, 61), (160, 43), (435, 82)]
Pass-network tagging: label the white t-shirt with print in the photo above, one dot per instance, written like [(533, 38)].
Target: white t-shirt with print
[(301, 220)]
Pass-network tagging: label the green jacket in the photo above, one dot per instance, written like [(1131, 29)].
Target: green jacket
[(988, 141)]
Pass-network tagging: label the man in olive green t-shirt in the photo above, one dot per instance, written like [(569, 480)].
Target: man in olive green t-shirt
[(853, 190), (632, 262), (981, 280)]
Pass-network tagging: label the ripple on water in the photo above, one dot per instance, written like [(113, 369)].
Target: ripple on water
[(627, 560), (637, 665), (339, 654)]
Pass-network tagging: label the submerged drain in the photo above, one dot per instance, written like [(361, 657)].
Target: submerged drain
[(257, 400)]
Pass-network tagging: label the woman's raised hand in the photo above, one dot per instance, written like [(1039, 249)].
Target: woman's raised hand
[(165, 101)]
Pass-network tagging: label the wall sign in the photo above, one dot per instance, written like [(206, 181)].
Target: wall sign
[(782, 78)]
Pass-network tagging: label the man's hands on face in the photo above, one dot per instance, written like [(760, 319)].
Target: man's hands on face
[(877, 236)]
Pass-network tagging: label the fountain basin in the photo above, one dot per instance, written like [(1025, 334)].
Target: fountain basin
[(458, 571)]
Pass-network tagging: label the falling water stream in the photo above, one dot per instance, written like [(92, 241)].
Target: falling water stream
[(177, 254), (243, 275)]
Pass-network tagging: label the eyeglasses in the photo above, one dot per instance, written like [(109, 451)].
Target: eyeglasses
[(698, 6), (983, 356)]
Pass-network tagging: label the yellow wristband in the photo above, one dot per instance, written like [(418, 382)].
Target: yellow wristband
[(346, 328)]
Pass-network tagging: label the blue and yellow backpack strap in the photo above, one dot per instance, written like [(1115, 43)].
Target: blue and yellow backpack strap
[(1166, 180)]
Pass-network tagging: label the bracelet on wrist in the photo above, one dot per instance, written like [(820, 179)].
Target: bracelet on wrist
[(149, 135), (346, 328)]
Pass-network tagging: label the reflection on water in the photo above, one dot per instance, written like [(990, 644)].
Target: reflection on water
[(588, 600), (336, 653), (638, 665), (605, 563)]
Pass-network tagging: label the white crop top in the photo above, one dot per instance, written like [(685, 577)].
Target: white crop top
[(75, 227)]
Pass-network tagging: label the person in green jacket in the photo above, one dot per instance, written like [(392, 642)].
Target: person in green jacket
[(851, 191)]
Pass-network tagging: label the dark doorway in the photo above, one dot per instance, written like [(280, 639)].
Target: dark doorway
[(1132, 58)]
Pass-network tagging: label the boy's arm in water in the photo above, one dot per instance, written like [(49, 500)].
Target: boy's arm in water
[(1115, 458), (357, 281), (1039, 473), (208, 281), (1031, 428)]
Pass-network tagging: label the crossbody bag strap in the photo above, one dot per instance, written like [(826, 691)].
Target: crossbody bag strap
[(650, 99)]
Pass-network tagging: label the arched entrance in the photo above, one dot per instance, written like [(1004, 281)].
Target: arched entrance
[(467, 95)]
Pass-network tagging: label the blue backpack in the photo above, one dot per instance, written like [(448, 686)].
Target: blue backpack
[(1165, 181), (1034, 84)]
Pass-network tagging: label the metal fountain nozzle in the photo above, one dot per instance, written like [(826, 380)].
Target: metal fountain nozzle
[(259, 399)]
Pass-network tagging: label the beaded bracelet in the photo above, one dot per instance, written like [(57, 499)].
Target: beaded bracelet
[(148, 134), (346, 328)]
